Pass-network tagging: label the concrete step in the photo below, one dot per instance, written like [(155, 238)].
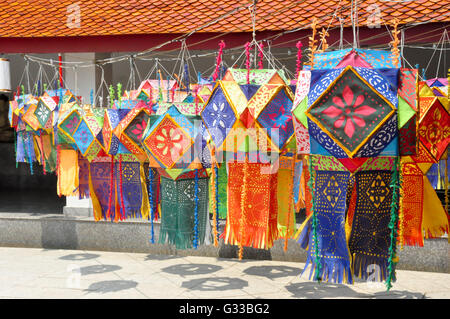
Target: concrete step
[(57, 231)]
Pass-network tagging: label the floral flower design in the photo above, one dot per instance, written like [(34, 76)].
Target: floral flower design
[(348, 111), (84, 136), (139, 129), (169, 140), (280, 119), (219, 115), (72, 123)]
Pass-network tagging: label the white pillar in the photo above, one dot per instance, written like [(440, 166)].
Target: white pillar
[(80, 81)]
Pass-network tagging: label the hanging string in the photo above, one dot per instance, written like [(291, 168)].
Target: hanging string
[(247, 60), (393, 224), (261, 56), (150, 197), (299, 58), (218, 60), (196, 240), (314, 220)]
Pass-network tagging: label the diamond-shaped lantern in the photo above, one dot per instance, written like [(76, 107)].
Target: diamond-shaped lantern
[(434, 127), (348, 110), (131, 128), (262, 108), (111, 142), (169, 138)]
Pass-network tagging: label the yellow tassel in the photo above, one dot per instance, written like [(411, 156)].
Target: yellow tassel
[(312, 43), (395, 51)]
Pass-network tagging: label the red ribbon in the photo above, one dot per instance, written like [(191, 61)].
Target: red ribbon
[(299, 58)]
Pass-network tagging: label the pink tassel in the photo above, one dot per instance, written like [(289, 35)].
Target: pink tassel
[(299, 58), (247, 62), (218, 60), (261, 56), (111, 186)]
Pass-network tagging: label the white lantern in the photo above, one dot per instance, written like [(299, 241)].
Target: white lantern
[(5, 77)]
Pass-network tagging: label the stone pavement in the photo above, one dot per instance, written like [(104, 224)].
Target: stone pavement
[(45, 273)]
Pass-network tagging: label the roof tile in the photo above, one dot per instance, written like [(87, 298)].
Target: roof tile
[(44, 18)]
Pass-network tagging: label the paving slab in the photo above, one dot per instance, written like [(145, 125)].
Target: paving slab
[(80, 274)]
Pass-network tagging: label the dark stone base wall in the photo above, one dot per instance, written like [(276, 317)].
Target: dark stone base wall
[(20, 178)]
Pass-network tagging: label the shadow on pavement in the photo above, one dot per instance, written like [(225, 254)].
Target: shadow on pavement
[(330, 290), (191, 269), (215, 284), (231, 251), (98, 269), (321, 290), (111, 286), (272, 272), (79, 256), (161, 257)]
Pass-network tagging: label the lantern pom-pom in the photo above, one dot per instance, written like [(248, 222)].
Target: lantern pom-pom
[(261, 56), (218, 60), (247, 62)]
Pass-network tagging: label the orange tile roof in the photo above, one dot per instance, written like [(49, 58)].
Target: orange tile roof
[(45, 18)]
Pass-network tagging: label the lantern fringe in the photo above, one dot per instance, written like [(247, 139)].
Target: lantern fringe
[(412, 241), (255, 237), (329, 270), (436, 231), (361, 263)]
